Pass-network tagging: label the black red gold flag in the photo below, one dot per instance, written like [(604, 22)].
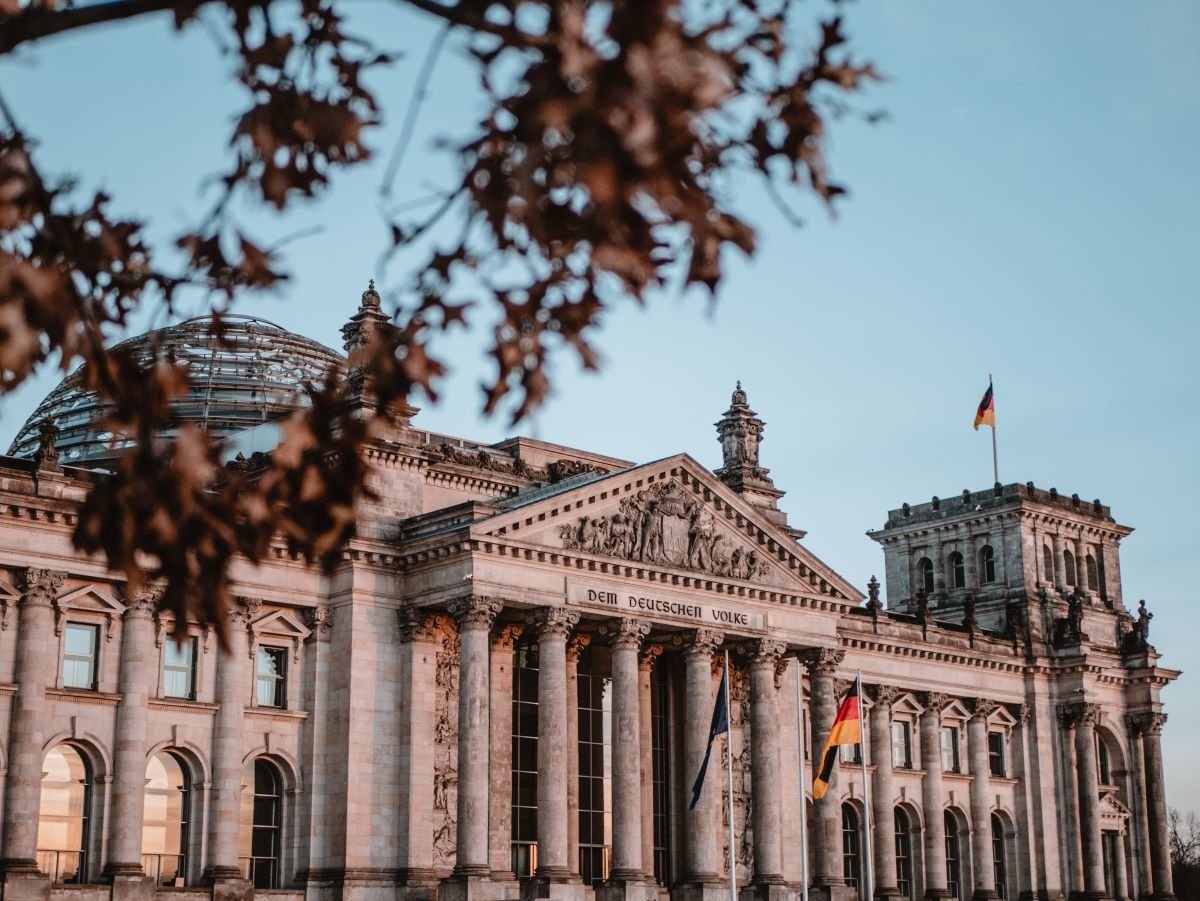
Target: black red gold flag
[(847, 730), (986, 414)]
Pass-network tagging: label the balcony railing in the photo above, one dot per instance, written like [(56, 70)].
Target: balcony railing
[(263, 872), (165, 869), (66, 867)]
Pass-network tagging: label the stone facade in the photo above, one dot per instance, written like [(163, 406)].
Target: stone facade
[(504, 690)]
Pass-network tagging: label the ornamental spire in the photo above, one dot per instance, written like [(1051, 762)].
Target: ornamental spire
[(740, 432)]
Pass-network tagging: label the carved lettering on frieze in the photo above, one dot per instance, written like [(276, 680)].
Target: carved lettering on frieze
[(664, 525)]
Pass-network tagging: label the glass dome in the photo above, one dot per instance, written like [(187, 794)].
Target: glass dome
[(252, 373)]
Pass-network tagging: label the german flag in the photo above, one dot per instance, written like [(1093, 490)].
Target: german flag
[(986, 414), (847, 730)]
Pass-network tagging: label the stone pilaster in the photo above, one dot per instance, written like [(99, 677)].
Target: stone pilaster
[(503, 642), (474, 616), (646, 660), (701, 863), (932, 794), (137, 677), (35, 669), (883, 792), (766, 778), (1084, 717), (554, 625), (576, 645), (227, 743), (1029, 850), (822, 664), (419, 633), (1151, 725), (981, 814)]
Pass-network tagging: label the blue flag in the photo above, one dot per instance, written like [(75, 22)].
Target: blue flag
[(720, 724)]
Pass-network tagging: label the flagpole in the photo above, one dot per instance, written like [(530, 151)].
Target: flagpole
[(729, 777), (995, 457), (869, 868), (803, 783)]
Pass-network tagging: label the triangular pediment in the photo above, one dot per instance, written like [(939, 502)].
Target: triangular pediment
[(671, 515), (1111, 808), (282, 623), (8, 592), (90, 597)]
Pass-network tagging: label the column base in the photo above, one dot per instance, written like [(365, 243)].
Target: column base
[(936, 894), (1087, 896), (767, 891), (888, 893), (132, 886), (464, 887), (19, 884), (834, 892), (230, 888), (630, 889), (701, 889), (984, 895), (555, 886)]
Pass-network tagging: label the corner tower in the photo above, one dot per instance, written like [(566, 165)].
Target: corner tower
[(740, 432)]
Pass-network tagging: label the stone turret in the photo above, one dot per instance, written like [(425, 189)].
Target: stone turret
[(357, 334), (740, 432)]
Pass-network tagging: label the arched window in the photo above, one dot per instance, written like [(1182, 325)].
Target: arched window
[(63, 815), (999, 869), (987, 564), (904, 866), (958, 571), (261, 836), (851, 836), (925, 574), (1047, 564), (1103, 765), (165, 820), (953, 858), (1069, 567), (1093, 574)]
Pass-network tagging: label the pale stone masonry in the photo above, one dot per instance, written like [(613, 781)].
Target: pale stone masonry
[(504, 691)]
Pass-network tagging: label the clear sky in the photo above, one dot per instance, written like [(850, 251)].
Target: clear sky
[(1029, 209)]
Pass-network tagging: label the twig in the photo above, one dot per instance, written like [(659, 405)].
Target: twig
[(414, 107)]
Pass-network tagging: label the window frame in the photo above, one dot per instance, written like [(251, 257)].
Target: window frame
[(903, 727), (282, 681), (904, 854), (954, 729), (926, 575), (86, 824), (998, 754), (851, 846), (187, 790), (166, 666), (957, 564), (987, 565), (94, 628)]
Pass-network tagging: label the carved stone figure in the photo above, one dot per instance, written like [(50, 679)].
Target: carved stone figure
[(663, 524)]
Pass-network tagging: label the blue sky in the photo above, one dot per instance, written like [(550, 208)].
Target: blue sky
[(1029, 208)]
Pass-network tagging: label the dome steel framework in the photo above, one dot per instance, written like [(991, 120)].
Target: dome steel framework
[(253, 372)]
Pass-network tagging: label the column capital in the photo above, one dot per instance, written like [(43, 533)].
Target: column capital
[(883, 696), (700, 643), (1078, 713), (648, 656), (934, 702), (823, 661), (763, 653), (475, 611), (626, 632), (506, 636), (320, 619), (416, 624), (243, 610), (41, 586), (553, 622), (1022, 713), (981, 708), (144, 603), (576, 645), (1147, 723)]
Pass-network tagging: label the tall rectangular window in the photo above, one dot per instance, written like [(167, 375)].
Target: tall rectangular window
[(179, 669), (271, 679), (996, 753), (524, 760), (950, 760), (595, 772), (902, 744), (79, 656), (660, 778)]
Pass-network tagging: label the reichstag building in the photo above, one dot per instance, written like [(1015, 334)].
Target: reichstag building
[(504, 690)]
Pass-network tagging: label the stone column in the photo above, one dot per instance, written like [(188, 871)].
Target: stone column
[(1139, 833), (826, 839), (883, 793), (1059, 575), (907, 592), (501, 795), (1026, 865), (1120, 874), (475, 616), (939, 569), (971, 555), (227, 744), (1081, 582), (933, 796), (1073, 876), (137, 677), (646, 659), (627, 863), (575, 648), (34, 673), (553, 624), (701, 863), (765, 774), (1156, 806), (981, 801), (1086, 717)]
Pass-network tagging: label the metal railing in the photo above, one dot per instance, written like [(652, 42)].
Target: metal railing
[(165, 869), (65, 867)]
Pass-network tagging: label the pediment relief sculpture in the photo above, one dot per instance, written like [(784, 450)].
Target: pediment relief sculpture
[(664, 525)]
